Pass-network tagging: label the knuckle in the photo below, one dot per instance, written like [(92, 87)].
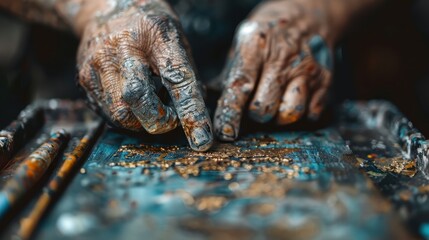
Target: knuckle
[(177, 74), (192, 112), (226, 114), (247, 28), (189, 107), (132, 67), (134, 72)]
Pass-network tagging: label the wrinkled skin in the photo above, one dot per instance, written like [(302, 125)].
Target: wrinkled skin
[(120, 55), (281, 62), (128, 50), (280, 66)]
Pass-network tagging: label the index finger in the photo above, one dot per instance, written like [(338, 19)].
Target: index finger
[(178, 76)]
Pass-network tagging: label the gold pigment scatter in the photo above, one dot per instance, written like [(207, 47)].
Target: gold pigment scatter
[(397, 165), (210, 203), (263, 209), (267, 185), (227, 176), (274, 189), (221, 158)]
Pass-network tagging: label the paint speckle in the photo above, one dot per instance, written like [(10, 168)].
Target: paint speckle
[(321, 52)]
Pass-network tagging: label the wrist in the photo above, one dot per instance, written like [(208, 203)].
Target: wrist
[(81, 13)]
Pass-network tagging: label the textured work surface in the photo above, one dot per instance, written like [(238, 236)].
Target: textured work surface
[(299, 185), (394, 156), (273, 186)]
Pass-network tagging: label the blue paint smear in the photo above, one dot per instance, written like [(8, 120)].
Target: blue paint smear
[(320, 52), (4, 204)]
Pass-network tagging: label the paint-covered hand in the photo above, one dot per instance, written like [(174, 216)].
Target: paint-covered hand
[(281, 58), (127, 52)]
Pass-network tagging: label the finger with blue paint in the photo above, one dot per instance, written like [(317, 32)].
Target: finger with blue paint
[(176, 69), (139, 92), (278, 56), (126, 55), (240, 76), (283, 56)]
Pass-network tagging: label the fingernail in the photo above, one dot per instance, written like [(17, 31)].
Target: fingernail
[(201, 139), (227, 133)]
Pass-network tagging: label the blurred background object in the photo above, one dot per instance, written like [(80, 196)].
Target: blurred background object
[(36, 62), (14, 84), (389, 58), (385, 57)]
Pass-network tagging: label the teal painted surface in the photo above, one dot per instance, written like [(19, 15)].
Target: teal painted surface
[(323, 191), (332, 201)]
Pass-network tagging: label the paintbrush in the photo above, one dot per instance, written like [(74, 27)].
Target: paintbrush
[(17, 133), (30, 171), (58, 183)]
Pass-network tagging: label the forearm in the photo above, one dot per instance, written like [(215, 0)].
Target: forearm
[(41, 11), (72, 15)]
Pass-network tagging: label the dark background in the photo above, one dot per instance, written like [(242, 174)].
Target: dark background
[(385, 57)]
